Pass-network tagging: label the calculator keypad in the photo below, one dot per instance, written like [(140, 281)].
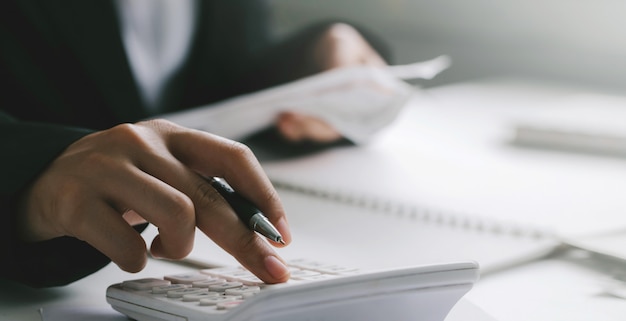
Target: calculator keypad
[(220, 289)]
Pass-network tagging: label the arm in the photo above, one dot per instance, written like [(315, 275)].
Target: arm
[(27, 150), (235, 54), (318, 48)]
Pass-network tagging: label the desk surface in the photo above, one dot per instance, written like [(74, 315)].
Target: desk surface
[(18, 302), (568, 286)]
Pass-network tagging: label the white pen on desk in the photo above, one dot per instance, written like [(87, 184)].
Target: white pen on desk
[(246, 211)]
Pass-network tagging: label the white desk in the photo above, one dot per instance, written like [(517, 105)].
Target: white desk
[(570, 286), (18, 302)]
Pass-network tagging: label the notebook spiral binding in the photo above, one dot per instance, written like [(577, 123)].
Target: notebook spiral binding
[(424, 214)]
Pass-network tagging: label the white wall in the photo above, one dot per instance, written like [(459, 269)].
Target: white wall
[(579, 41)]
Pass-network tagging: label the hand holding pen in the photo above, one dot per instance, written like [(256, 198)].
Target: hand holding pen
[(153, 171)]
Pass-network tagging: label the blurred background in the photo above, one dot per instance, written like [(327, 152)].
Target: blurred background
[(579, 42)]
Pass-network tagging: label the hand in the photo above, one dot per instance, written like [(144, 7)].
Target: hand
[(343, 46), (153, 171), (339, 46)]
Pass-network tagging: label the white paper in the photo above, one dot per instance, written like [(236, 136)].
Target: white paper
[(357, 101)]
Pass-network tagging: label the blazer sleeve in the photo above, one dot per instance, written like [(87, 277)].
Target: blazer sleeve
[(27, 149), (53, 88)]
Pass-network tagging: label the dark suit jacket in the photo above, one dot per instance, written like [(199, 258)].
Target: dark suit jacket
[(64, 73)]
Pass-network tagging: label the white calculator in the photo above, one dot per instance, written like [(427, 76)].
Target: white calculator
[(315, 292)]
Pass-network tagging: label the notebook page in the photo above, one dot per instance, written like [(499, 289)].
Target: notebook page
[(370, 239)]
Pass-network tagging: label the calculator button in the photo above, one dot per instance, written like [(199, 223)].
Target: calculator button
[(144, 284), (180, 292), (218, 299), (289, 282), (223, 272), (242, 290), (321, 267), (305, 264), (299, 274), (241, 274), (186, 278), (249, 280), (223, 286), (237, 274), (336, 269), (206, 283), (228, 304), (165, 288), (318, 277), (248, 295), (198, 296)]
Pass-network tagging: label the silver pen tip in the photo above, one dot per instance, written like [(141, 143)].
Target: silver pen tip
[(280, 240)]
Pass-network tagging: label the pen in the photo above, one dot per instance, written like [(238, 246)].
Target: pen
[(246, 211)]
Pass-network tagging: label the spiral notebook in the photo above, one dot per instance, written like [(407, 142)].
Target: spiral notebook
[(385, 216), (357, 206), (375, 232)]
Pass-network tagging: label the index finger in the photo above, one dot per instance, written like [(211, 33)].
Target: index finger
[(236, 163)]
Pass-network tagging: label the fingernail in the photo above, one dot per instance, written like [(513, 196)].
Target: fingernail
[(276, 268)]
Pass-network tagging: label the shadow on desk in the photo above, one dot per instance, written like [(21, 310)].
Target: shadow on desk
[(270, 145), (13, 293)]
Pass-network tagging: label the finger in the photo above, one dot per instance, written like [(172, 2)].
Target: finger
[(298, 127), (104, 228), (287, 125), (133, 218), (213, 156), (342, 46), (162, 205), (216, 218), (223, 226), (206, 200)]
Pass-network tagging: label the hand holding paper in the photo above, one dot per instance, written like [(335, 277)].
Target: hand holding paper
[(357, 101)]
